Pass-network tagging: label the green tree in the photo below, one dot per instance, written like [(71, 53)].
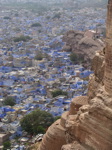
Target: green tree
[(6, 145), (7, 17), (48, 17), (40, 129), (37, 121), (36, 25), (17, 29), (16, 15), (58, 92), (77, 58), (57, 15), (57, 117), (73, 57), (22, 38), (9, 101), (39, 56)]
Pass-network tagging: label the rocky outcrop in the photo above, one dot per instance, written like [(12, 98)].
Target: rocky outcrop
[(88, 124), (98, 66), (96, 80), (82, 43), (77, 103)]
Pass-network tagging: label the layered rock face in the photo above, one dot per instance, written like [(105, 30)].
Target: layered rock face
[(55, 136), (88, 124)]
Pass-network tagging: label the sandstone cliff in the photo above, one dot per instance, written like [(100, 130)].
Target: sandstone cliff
[(88, 124)]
